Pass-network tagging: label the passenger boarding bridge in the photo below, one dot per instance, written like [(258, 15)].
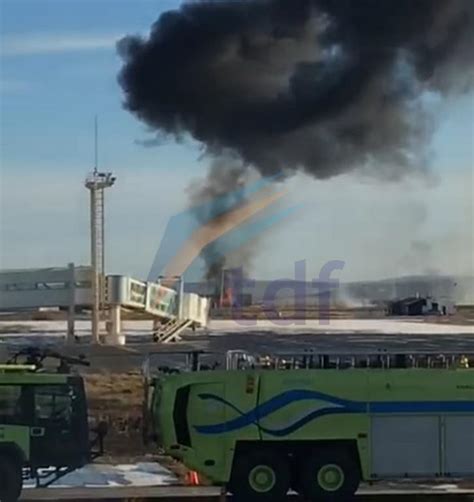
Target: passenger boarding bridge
[(172, 309)]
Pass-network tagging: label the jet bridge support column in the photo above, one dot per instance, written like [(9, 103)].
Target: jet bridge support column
[(116, 291), (71, 312), (114, 326)]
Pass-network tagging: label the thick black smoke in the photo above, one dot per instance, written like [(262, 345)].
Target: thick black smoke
[(323, 86)]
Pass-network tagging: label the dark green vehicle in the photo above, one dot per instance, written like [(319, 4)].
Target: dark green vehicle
[(43, 422)]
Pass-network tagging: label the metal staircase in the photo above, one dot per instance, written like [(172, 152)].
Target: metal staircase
[(171, 330)]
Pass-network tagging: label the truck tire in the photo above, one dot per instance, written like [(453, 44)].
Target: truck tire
[(11, 480), (329, 475), (260, 477)]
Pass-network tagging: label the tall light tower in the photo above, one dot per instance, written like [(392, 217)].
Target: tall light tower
[(96, 182)]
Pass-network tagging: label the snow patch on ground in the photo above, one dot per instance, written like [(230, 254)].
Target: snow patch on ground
[(380, 326), (141, 331), (103, 475)]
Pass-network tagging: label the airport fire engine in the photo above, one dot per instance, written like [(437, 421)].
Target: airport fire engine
[(317, 423)]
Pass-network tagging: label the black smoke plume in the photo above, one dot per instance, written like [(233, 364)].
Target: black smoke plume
[(321, 86), (318, 85), (213, 198)]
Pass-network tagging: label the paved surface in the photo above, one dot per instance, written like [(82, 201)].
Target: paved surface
[(202, 494), (265, 337)]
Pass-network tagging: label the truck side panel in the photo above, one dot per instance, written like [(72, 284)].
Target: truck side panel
[(459, 441), (310, 406), (399, 422), (417, 416)]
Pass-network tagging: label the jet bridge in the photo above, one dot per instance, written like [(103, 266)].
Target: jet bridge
[(70, 287), (172, 309)]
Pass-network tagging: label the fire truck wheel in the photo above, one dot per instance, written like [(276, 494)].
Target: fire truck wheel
[(11, 480), (260, 477), (329, 475)]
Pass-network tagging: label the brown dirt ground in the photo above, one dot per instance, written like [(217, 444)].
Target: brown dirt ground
[(117, 398)]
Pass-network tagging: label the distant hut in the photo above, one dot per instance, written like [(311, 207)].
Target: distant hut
[(412, 306)]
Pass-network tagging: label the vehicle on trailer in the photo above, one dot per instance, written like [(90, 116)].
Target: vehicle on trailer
[(317, 423), (44, 429)]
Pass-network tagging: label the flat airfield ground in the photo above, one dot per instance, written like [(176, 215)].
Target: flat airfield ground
[(115, 384)]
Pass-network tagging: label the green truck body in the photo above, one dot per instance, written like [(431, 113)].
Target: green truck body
[(389, 423), (43, 425)]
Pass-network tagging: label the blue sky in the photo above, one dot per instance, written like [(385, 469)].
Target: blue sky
[(59, 68)]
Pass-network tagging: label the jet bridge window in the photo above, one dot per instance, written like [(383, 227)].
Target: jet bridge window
[(11, 403)]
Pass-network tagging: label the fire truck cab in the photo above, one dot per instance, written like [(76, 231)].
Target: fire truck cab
[(44, 429)]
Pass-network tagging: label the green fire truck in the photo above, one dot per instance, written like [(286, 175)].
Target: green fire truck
[(44, 430), (317, 423)]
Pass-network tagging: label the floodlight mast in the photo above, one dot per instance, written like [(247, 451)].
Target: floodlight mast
[(96, 182)]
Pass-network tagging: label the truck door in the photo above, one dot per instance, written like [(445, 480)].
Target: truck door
[(220, 414), (226, 410), (58, 435)]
